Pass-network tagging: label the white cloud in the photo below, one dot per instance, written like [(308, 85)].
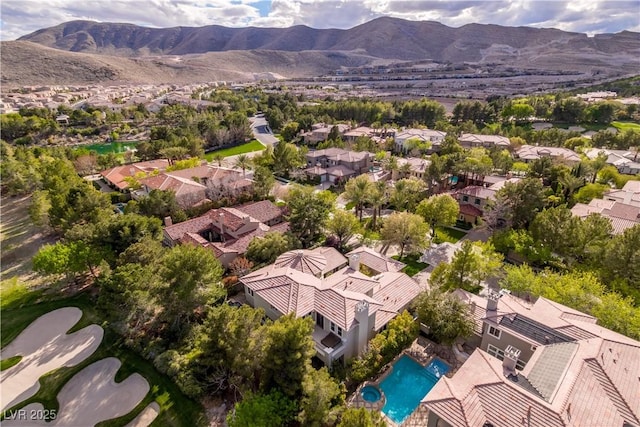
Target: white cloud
[(594, 16)]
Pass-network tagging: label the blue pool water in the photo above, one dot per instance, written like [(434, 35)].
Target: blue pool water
[(407, 385), (370, 394)]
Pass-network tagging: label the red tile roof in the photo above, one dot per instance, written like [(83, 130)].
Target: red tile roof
[(117, 175), (467, 209), (263, 211)]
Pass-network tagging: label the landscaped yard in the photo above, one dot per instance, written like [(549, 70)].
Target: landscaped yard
[(446, 234), (253, 145), (626, 125), (20, 307), (413, 266)]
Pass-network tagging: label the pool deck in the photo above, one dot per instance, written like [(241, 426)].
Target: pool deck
[(422, 351)]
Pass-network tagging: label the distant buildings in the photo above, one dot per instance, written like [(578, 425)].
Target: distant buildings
[(625, 161), (433, 137), (472, 140), (622, 216), (337, 165), (529, 153)]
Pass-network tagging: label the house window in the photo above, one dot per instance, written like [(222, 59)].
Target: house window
[(494, 332), (336, 329), (273, 308), (465, 198), (249, 291), (477, 201), (499, 354)]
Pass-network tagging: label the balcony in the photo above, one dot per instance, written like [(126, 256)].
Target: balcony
[(328, 345)]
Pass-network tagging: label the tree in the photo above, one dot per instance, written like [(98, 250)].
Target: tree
[(265, 250), (589, 192), (287, 355), (406, 230), (357, 191), (447, 317), (69, 258), (621, 259), (440, 210), (361, 417), (471, 264), (377, 197), (243, 162), (343, 225), (161, 204), (308, 213), (191, 278), (523, 201), (117, 232), (263, 181), (218, 158), (240, 266), (322, 397), (407, 193), (285, 158), (262, 410)]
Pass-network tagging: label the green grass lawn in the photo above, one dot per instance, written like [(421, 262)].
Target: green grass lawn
[(413, 266), (446, 234), (23, 306), (626, 125), (253, 145)]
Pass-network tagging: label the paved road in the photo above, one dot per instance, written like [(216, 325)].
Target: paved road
[(261, 130)]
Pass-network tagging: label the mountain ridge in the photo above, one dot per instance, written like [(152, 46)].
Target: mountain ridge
[(385, 37)]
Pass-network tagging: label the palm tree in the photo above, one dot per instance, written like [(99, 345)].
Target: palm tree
[(218, 157), (357, 191), (243, 162), (377, 198), (569, 184)]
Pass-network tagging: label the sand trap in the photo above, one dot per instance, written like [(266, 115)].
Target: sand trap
[(45, 346), (91, 396), (146, 417)]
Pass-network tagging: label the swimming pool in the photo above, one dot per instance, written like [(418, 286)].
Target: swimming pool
[(407, 384)]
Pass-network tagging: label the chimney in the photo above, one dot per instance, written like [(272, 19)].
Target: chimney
[(221, 221), (362, 316), (511, 355), (492, 301), (167, 221), (354, 262)]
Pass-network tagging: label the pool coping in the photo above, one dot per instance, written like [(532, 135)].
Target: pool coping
[(359, 402)]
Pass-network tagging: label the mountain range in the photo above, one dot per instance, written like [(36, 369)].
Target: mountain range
[(308, 51)]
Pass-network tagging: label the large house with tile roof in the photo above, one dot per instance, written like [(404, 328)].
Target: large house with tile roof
[(434, 137), (227, 232), (629, 194), (471, 140), (116, 177), (336, 164), (621, 215), (540, 364), (529, 153), (348, 307)]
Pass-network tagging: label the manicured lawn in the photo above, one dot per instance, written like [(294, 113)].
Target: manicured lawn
[(626, 125), (7, 363), (253, 145), (23, 308), (413, 266), (445, 234)]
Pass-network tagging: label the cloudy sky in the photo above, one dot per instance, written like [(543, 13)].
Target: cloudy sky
[(20, 17)]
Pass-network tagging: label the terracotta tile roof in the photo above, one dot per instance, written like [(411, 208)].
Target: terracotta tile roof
[(337, 295), (376, 261), (263, 211), (334, 258), (340, 171), (467, 209), (477, 191), (315, 170), (180, 186), (530, 152), (482, 139), (194, 225), (116, 175)]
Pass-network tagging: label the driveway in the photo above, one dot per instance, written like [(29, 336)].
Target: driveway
[(261, 130)]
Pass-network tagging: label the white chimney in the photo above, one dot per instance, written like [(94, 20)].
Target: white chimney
[(354, 262), (492, 301), (510, 360), (362, 316), (167, 221), (221, 220)]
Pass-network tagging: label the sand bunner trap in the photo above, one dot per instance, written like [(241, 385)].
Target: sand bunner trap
[(91, 396)]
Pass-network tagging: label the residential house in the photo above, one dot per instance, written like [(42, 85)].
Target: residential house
[(629, 194), (434, 137), (337, 165), (621, 215), (195, 185), (417, 168), (116, 177), (474, 198), (373, 263), (529, 153), (377, 135), (320, 132), (348, 307), (472, 140), (226, 231), (541, 364), (625, 161)]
